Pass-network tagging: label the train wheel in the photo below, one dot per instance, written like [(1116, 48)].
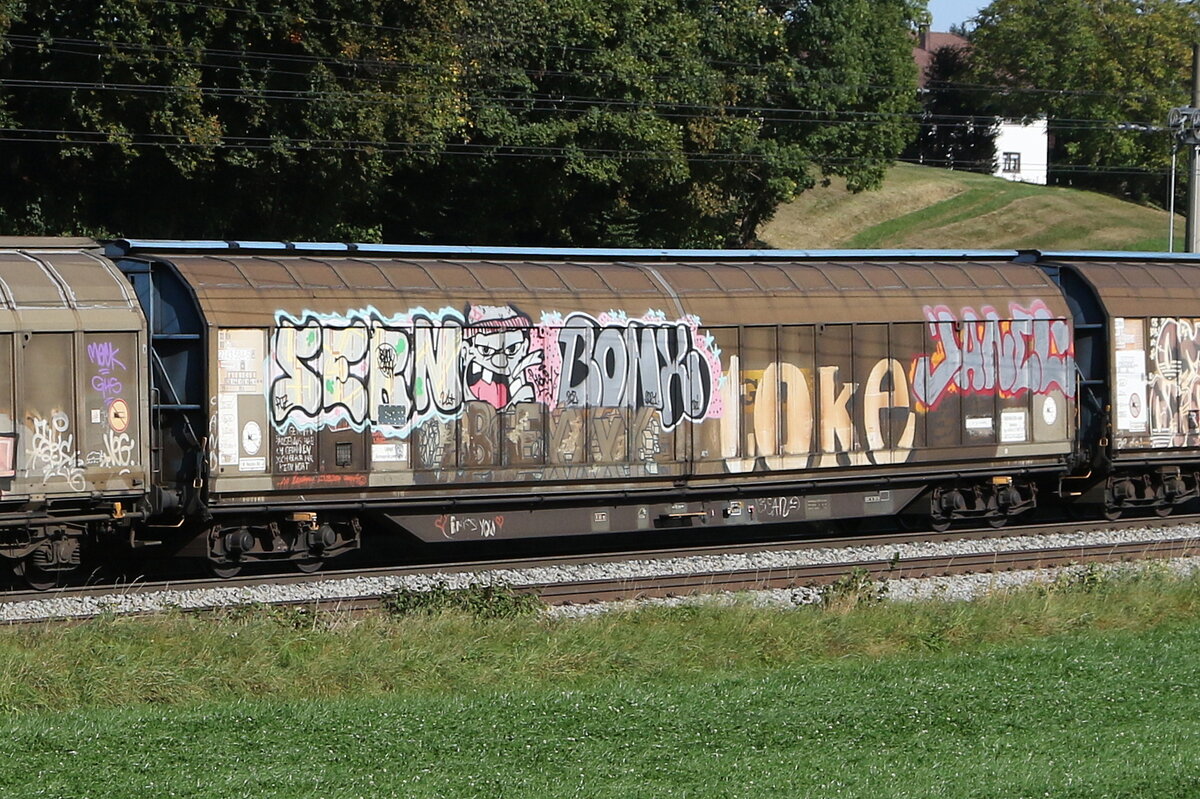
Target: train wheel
[(309, 566), (224, 569), (998, 521), (940, 524), (1163, 511), (1112, 513), (34, 577)]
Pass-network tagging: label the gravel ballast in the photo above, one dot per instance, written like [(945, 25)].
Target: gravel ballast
[(132, 600)]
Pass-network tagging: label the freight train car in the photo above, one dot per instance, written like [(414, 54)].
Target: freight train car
[(258, 401), (299, 392), (74, 460), (1137, 323)]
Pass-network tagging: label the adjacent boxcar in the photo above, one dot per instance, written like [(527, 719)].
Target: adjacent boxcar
[(1138, 319), (468, 393), (73, 457)]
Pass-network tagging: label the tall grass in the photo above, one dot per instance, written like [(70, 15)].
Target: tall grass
[(181, 659)]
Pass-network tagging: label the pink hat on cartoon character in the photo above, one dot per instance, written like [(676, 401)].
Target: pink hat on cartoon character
[(486, 318)]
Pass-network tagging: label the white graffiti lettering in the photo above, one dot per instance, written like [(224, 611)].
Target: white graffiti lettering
[(394, 373), (469, 526), (52, 451), (320, 375), (634, 365), (980, 353), (117, 452)]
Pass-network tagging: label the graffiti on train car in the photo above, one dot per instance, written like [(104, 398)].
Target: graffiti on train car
[(978, 352), (797, 420), (52, 451), (451, 526), (103, 356), (116, 447), (615, 362), (392, 373), (1174, 382)]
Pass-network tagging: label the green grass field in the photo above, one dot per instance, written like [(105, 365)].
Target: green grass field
[(928, 208), (1084, 689)]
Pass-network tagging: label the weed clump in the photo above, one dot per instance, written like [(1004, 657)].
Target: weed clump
[(480, 601), (854, 590)]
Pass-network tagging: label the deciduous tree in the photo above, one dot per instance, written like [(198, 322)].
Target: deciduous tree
[(1093, 67)]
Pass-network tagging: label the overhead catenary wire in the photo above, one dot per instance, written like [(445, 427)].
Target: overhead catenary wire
[(521, 101), (489, 150), (104, 49), (514, 100)]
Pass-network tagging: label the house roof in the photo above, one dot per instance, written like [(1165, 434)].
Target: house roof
[(929, 42)]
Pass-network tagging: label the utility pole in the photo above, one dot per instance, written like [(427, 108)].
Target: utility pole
[(1193, 205), (1185, 123)]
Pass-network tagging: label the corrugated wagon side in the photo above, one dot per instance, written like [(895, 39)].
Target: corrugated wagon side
[(74, 463), (1139, 319), (467, 393)]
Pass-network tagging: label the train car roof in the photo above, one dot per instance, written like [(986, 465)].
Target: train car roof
[(61, 273), (1137, 284), (249, 284), (237, 247)]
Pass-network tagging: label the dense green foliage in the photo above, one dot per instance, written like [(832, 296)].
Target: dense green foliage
[(958, 121), (648, 122), (1093, 67), (481, 601), (178, 118), (862, 699)]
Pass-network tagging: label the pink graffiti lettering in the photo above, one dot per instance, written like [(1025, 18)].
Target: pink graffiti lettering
[(104, 355)]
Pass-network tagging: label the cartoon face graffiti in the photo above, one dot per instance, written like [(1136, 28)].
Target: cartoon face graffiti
[(496, 354)]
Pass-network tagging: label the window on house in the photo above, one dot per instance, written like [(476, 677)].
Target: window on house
[(1011, 162)]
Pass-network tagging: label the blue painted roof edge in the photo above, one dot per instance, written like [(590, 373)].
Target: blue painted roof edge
[(1117, 254), (127, 246)]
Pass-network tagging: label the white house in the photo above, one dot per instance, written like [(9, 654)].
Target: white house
[(1022, 147), (1022, 150)]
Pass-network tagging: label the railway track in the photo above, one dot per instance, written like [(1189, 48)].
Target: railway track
[(346, 589), (824, 574)]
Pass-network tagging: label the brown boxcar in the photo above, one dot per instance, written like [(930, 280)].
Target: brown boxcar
[(73, 397), (1138, 318), (468, 393)]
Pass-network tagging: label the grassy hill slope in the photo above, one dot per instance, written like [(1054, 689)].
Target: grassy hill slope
[(927, 208)]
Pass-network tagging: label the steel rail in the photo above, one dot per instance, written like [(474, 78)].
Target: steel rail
[(547, 561), (677, 584)]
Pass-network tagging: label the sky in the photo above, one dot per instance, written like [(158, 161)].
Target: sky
[(952, 12)]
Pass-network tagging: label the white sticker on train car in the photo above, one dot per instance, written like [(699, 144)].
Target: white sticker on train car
[(8, 455), (1049, 410), (227, 429), (396, 452), (1014, 426), (1130, 361), (252, 438), (979, 424), (252, 465)]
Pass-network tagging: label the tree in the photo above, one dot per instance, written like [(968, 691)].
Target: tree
[(616, 122), (1093, 67), (958, 126), (664, 122), (187, 119)]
